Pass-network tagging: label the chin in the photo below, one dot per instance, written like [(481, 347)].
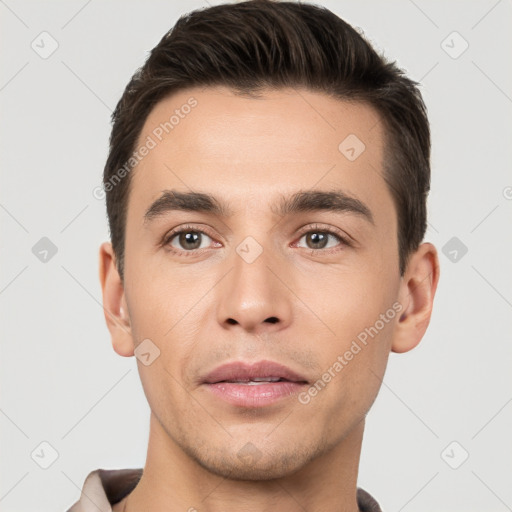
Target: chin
[(251, 464)]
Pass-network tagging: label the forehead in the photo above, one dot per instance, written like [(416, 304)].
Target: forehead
[(251, 149)]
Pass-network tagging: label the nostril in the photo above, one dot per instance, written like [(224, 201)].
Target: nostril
[(272, 320), (231, 321)]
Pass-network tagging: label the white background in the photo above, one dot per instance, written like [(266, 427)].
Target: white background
[(61, 380)]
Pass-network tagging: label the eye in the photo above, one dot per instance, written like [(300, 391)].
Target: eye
[(187, 239), (321, 238)]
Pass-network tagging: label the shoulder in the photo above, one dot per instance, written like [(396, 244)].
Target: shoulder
[(105, 487)]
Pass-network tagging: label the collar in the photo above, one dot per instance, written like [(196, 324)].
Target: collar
[(105, 487)]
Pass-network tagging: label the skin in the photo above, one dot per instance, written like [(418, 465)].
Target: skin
[(204, 307)]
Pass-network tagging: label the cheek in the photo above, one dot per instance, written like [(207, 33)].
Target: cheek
[(357, 308), (348, 301), (162, 311), (164, 392), (162, 297), (353, 367)]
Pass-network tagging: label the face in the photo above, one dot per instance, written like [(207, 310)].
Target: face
[(269, 266)]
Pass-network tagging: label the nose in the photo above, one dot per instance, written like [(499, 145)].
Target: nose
[(254, 297)]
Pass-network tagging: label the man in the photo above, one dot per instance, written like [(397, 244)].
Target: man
[(266, 192)]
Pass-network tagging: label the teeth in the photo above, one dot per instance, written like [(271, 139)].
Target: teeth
[(257, 380)]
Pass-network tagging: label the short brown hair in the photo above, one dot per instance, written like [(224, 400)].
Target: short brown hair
[(258, 44)]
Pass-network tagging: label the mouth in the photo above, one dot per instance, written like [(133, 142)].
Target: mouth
[(254, 385), (254, 381)]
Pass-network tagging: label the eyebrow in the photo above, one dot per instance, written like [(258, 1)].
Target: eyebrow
[(303, 201)]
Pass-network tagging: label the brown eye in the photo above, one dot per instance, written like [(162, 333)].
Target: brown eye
[(319, 239), (316, 240), (188, 240)]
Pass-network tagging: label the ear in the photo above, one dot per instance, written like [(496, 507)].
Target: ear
[(114, 302), (416, 295)]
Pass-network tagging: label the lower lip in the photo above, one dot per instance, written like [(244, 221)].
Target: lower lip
[(255, 395)]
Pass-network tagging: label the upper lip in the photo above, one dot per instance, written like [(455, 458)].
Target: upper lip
[(242, 371)]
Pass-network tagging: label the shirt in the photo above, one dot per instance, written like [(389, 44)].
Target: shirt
[(105, 487)]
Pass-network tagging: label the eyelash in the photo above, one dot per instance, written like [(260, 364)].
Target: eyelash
[(315, 228)]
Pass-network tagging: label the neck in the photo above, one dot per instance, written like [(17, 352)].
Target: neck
[(172, 482)]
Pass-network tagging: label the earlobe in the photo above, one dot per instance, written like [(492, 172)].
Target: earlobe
[(114, 302), (417, 293)]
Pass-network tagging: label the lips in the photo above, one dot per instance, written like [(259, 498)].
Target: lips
[(253, 386), (253, 374)]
